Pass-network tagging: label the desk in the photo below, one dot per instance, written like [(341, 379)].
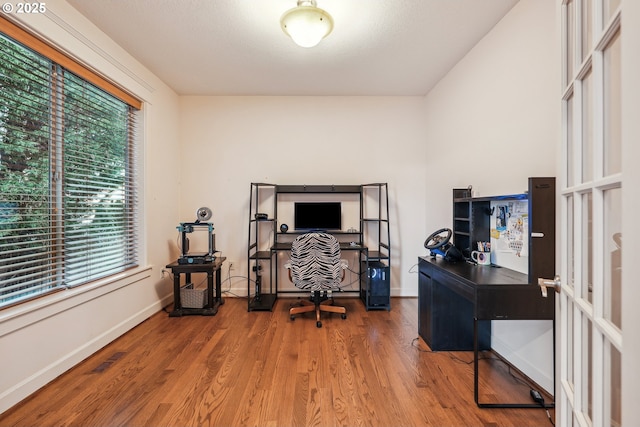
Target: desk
[(363, 259), (211, 269), (374, 297), (457, 301), (363, 256)]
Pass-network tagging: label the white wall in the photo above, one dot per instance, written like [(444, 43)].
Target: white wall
[(229, 142), (43, 338), (492, 122)]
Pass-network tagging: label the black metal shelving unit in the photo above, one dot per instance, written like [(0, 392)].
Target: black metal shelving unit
[(265, 241), (260, 246), (375, 286)]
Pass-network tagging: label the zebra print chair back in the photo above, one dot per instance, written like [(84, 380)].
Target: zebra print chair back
[(315, 265), (315, 262)]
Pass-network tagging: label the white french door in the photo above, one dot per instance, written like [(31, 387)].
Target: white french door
[(589, 316)]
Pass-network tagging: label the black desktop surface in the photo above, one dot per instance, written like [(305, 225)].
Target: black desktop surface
[(497, 293)]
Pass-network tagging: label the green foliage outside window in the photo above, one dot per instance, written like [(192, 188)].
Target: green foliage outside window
[(66, 183)]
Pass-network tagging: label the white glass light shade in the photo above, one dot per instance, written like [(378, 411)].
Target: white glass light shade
[(306, 24)]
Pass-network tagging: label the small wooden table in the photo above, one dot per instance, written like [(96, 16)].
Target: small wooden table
[(213, 302)]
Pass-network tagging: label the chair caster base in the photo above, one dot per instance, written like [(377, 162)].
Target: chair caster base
[(319, 324), (344, 316)]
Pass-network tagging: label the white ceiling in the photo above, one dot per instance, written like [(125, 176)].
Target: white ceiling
[(236, 47)]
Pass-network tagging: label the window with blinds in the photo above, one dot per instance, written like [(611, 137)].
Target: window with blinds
[(67, 177)]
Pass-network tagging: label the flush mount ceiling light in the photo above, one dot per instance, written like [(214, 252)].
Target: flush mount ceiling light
[(306, 24)]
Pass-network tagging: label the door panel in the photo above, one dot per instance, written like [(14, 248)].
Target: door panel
[(590, 327)]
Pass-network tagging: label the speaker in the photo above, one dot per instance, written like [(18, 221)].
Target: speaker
[(379, 292)]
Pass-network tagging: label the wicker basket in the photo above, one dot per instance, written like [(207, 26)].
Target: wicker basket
[(193, 298)]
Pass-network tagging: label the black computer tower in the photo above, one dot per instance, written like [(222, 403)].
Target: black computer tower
[(376, 292)]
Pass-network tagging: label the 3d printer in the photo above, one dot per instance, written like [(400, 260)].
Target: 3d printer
[(185, 228)]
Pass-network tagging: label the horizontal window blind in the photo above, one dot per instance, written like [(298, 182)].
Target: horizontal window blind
[(67, 177), (29, 260), (98, 185)]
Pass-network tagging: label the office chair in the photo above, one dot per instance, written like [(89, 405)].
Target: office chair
[(315, 265)]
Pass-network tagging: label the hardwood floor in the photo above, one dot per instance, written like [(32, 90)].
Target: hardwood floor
[(262, 369)]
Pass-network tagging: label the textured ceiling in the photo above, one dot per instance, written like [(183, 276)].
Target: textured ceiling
[(236, 47)]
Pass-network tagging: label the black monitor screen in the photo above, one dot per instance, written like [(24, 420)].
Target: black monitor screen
[(317, 216)]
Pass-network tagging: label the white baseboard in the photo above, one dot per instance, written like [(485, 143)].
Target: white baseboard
[(38, 379)]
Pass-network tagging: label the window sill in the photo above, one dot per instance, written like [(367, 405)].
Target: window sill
[(24, 314)]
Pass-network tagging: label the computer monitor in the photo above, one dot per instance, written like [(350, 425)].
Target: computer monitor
[(317, 216)]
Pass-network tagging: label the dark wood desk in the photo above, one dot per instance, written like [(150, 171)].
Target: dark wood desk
[(213, 301), (457, 301)]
